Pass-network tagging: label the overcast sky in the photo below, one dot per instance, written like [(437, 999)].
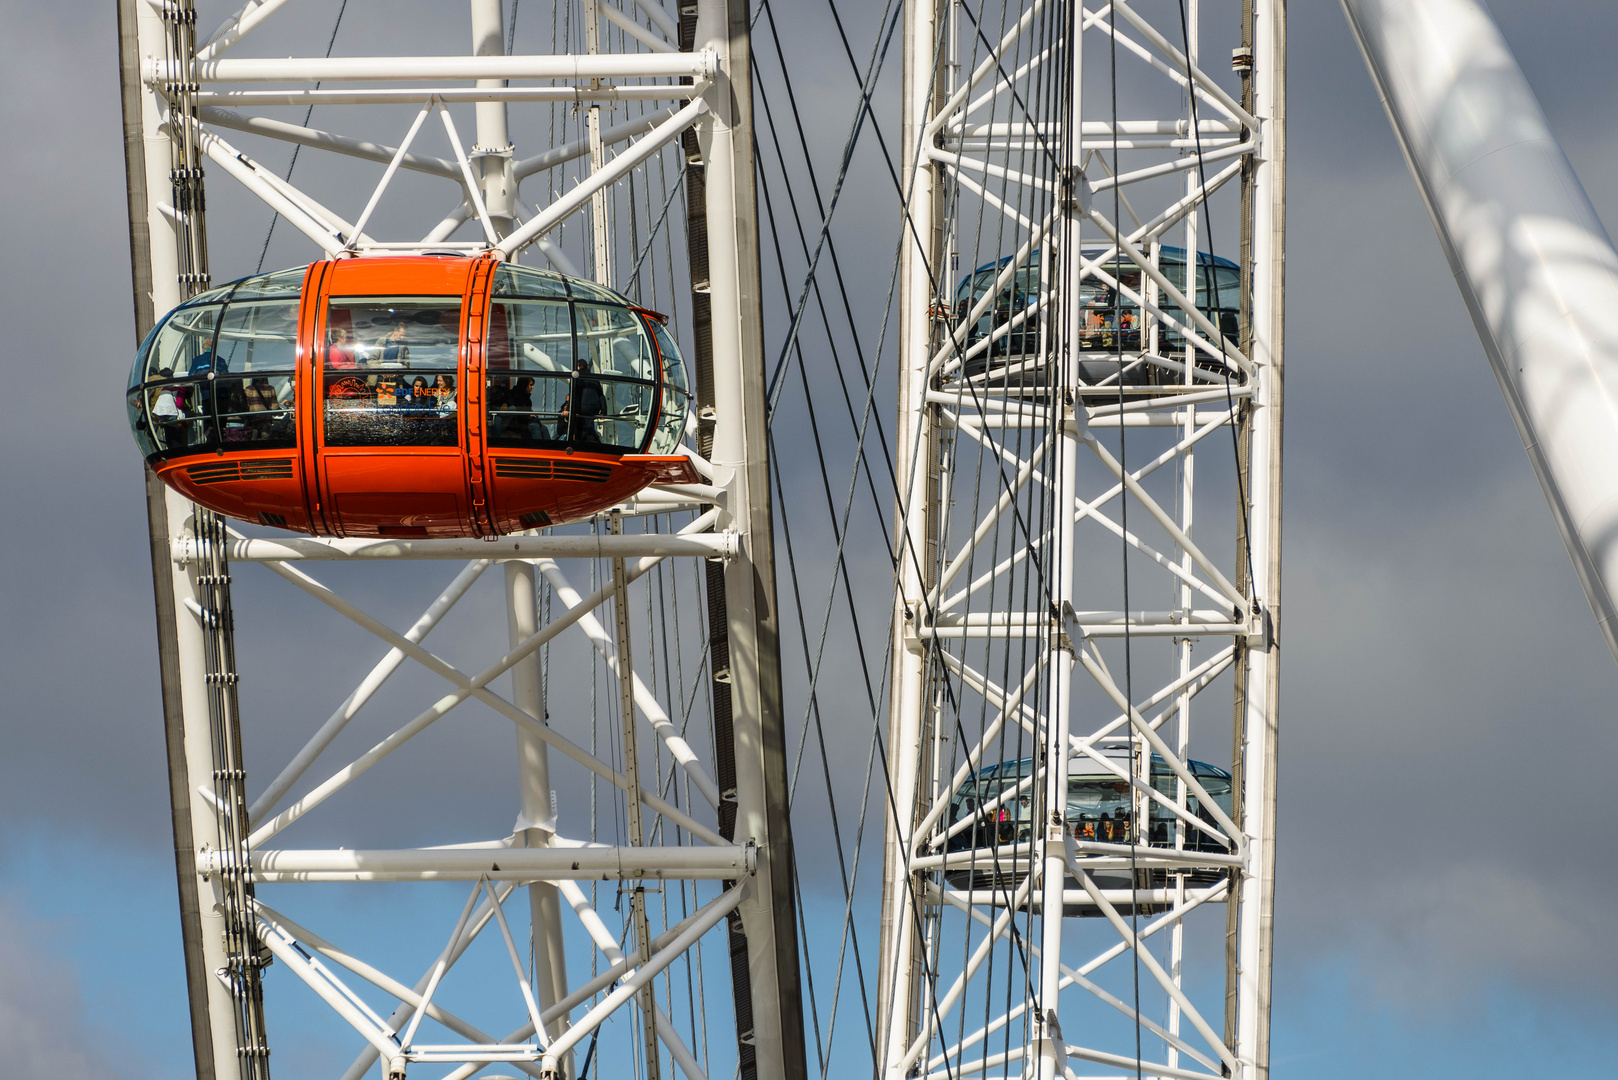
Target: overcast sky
[(1448, 738)]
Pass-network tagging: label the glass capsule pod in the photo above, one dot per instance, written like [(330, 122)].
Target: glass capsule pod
[(418, 396), (1111, 322), (998, 807)]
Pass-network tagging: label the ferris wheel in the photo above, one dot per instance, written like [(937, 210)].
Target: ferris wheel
[(503, 352)]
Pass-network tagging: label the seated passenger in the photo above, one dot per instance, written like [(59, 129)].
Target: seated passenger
[(520, 398), (420, 398), (391, 350), (340, 353), (499, 391), (444, 393)]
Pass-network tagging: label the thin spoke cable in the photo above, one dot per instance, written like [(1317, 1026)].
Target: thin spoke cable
[(293, 164)]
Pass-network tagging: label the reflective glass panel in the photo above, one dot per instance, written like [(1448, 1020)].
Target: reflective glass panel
[(181, 346), (523, 281), (670, 423), (609, 415), (674, 372), (255, 411), (282, 284), (530, 335), (390, 370), (612, 341), (170, 416), (1005, 823), (258, 335), (527, 410), (1099, 808), (589, 290)]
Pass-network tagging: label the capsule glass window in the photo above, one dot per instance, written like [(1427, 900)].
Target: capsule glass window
[(671, 419), (390, 370)]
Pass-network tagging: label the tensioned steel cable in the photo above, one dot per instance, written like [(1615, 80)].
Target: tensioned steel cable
[(863, 428), (825, 318), (839, 571), (879, 50), (293, 164), (831, 798), (878, 739), (1207, 219), (1123, 526), (933, 646)]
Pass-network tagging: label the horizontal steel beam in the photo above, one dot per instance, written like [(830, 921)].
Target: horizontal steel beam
[(673, 65), (1070, 897), (504, 864), (1098, 630), (251, 99), (501, 549), (1020, 858), (1096, 127), (1034, 619)]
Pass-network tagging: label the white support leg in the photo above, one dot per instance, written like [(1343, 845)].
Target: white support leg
[(537, 821)]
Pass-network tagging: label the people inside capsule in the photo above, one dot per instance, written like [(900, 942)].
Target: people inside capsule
[(340, 348), (567, 366), (391, 350), (1110, 320), (1100, 807), (583, 404)]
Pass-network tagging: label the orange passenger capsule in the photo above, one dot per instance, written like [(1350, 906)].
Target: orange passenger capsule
[(410, 397)]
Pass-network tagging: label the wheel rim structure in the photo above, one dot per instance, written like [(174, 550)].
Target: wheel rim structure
[(703, 822), (1082, 425)]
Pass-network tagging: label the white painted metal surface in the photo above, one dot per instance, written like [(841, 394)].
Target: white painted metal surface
[(658, 769), (1535, 265), (1041, 437)]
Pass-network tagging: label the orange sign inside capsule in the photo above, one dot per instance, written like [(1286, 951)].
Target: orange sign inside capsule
[(411, 396)]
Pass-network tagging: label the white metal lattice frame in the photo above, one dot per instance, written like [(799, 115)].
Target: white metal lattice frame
[(226, 90), (982, 459)]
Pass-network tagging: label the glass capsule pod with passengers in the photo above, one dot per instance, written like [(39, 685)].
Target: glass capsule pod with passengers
[(997, 809), (1112, 322), (413, 396)]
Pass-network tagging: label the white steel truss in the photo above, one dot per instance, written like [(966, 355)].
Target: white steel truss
[(707, 820), (1089, 559)]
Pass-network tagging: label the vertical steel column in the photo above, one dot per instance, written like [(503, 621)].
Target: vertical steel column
[(1188, 487), (537, 820), (636, 837), (600, 236), (537, 816), (920, 258), (770, 1038), (491, 155), (164, 255), (1057, 646), (1262, 685)]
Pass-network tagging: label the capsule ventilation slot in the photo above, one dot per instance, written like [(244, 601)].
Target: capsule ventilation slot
[(223, 471), (537, 520), (585, 471), (267, 518)]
